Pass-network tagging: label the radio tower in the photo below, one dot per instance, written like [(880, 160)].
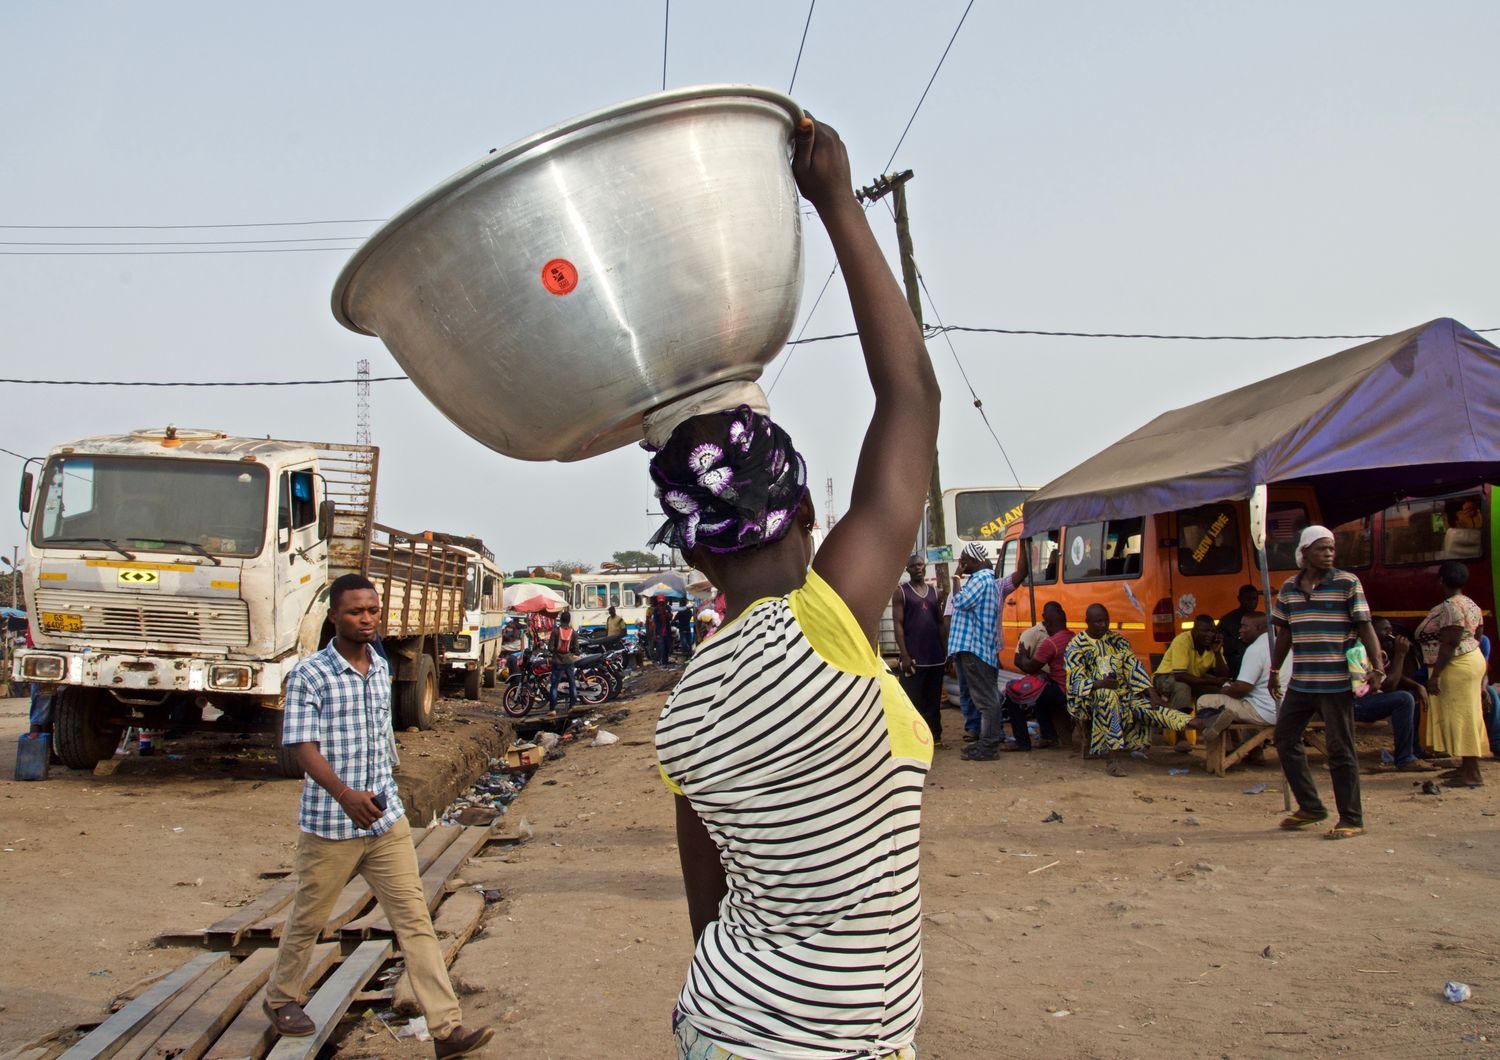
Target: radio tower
[(830, 517), (362, 403)]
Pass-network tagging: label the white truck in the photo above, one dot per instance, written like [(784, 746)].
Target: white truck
[(172, 570), (471, 656)]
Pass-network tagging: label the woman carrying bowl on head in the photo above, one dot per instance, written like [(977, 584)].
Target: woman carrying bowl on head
[(1448, 637), (796, 761)]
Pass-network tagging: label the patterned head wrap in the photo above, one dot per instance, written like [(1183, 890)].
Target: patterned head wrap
[(727, 481)]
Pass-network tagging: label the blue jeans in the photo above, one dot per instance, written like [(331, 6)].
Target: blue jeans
[(558, 669), (966, 703), (41, 706), (1401, 708)]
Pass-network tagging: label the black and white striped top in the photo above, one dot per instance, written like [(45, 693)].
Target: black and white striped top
[(804, 759)]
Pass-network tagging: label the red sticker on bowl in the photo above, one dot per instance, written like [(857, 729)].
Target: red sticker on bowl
[(559, 276)]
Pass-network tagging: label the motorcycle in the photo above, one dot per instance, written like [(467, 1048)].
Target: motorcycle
[(527, 690)]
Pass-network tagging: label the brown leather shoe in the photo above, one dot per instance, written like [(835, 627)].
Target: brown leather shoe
[(289, 1020), (461, 1042)]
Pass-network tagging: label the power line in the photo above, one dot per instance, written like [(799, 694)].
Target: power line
[(666, 25), (148, 253), (930, 80), (210, 383), (799, 340), (12, 452), (802, 44), (929, 331), (168, 242), (159, 228)]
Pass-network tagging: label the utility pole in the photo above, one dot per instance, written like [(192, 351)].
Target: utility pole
[(895, 185)]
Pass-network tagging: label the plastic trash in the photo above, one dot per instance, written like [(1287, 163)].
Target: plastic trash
[(1174, 772), (604, 739), (417, 1029), (1457, 992), (1052, 818), (1256, 790), (1387, 758)]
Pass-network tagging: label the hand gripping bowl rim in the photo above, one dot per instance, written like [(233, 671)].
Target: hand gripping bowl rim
[(435, 195)]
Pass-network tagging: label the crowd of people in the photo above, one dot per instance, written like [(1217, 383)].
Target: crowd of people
[(1343, 666)]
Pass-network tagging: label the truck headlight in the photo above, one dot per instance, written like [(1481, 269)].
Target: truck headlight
[(228, 676), (43, 667)]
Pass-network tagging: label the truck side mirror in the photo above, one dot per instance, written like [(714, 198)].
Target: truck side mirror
[(27, 481), (325, 520)]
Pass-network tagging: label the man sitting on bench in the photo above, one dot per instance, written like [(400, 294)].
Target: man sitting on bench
[(1247, 698)]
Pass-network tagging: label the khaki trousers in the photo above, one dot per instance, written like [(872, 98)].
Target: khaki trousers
[(389, 865), (1237, 709)]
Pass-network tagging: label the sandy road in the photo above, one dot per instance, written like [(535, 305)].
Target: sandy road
[(1151, 948), (1164, 915)]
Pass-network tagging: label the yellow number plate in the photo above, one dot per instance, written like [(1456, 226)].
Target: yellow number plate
[(138, 579), (62, 622)]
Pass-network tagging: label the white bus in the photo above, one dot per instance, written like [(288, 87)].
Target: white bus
[(597, 591)]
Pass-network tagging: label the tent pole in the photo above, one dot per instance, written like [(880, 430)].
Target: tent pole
[(1030, 576), (1259, 514)]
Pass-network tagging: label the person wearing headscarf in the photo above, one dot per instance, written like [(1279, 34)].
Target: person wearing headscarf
[(1448, 638), (795, 759), (1321, 612)]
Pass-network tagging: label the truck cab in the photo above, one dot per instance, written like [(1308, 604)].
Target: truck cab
[(169, 570)]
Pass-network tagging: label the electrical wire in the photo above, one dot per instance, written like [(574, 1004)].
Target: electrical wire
[(147, 253), (210, 383), (806, 321), (802, 44), (12, 452), (1192, 338), (930, 80), (666, 25), (169, 242), (161, 228), (978, 405)]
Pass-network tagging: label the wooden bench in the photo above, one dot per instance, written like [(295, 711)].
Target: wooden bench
[(1220, 760)]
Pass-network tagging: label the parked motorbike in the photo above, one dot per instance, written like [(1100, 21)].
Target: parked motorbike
[(527, 689)]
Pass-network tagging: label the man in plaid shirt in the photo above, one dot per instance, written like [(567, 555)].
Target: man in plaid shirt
[(971, 643), (337, 722)]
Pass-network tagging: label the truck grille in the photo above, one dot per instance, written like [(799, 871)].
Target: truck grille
[(130, 619)]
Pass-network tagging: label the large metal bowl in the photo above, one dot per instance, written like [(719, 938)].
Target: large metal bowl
[(552, 293)]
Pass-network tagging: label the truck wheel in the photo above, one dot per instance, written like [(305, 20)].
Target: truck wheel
[(286, 762), (416, 700), (83, 733), (471, 684)]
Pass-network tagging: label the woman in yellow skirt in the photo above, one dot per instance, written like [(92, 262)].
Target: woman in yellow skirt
[(1448, 637)]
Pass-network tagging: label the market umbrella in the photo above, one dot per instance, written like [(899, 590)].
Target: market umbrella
[(533, 598)]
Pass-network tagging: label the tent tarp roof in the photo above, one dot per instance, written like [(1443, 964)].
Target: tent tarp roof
[(1403, 414)]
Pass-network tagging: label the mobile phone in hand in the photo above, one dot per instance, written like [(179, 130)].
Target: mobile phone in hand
[(379, 800)]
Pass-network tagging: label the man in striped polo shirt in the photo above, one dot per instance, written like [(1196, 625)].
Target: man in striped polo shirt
[(1320, 610)]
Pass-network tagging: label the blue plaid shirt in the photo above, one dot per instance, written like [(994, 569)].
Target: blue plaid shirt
[(348, 716), (976, 615)]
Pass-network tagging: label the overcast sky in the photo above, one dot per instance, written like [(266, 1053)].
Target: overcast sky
[(1279, 167)]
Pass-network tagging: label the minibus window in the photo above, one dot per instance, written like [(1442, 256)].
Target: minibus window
[(1353, 547), (1097, 551), (1208, 540), (1044, 569), (1285, 521), (1434, 529)]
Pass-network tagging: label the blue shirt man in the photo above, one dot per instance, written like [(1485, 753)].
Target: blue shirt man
[(971, 643)]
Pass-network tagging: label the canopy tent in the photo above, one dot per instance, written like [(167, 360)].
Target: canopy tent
[(1413, 413)]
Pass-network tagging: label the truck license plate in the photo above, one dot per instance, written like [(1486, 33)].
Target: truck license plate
[(62, 622)]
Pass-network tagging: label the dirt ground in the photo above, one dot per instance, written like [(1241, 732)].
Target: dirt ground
[(92, 869), (1163, 916)]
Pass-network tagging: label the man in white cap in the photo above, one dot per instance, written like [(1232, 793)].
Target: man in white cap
[(971, 643), (1321, 610)]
